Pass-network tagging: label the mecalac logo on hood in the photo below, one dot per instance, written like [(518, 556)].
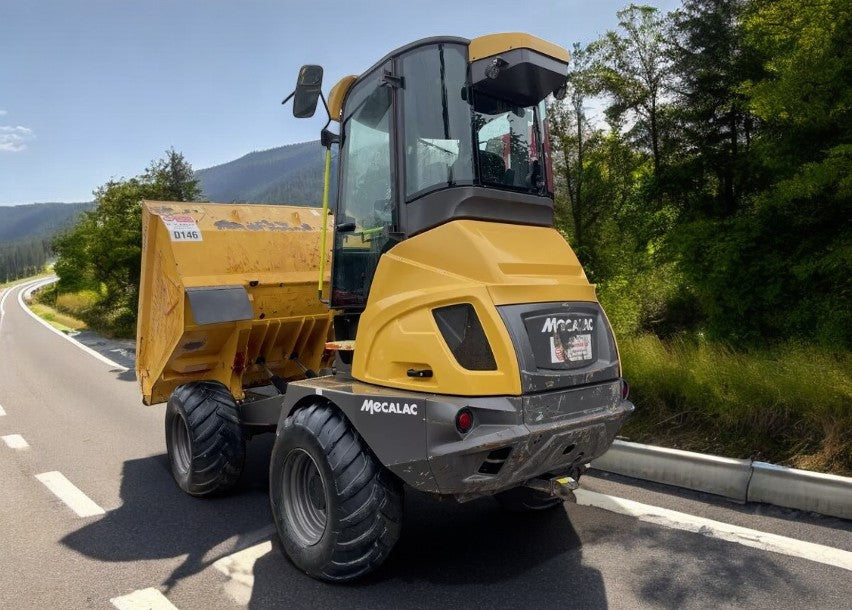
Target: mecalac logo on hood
[(378, 406), (567, 325)]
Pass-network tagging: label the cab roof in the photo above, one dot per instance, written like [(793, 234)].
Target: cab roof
[(479, 48)]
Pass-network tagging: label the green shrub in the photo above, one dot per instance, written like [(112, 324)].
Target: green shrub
[(121, 322)]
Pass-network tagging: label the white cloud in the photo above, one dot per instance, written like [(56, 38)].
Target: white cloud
[(3, 112), (14, 139)]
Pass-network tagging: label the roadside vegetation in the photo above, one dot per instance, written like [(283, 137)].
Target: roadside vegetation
[(787, 404), (26, 232), (98, 260), (709, 200), (64, 311), (55, 318)]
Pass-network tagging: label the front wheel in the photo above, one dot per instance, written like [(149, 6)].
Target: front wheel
[(338, 511), (203, 438)]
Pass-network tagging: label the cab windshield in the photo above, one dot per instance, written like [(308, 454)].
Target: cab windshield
[(455, 136)]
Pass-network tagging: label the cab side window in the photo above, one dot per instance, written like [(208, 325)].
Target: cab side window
[(365, 193)]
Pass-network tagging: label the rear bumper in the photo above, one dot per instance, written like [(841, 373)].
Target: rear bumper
[(513, 439), (542, 439)]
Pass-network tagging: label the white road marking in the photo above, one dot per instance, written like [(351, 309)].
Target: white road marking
[(717, 529), (66, 491), (239, 568), (27, 290), (143, 599), (15, 441), (2, 411), (6, 294)]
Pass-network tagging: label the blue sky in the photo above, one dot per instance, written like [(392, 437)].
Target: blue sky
[(97, 89)]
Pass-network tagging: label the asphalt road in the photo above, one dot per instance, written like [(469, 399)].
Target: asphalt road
[(84, 419)]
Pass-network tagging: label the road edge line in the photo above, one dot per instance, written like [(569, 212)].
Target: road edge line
[(28, 289), (6, 293), (740, 480), (719, 530)]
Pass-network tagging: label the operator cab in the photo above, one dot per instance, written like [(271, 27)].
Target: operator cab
[(440, 129)]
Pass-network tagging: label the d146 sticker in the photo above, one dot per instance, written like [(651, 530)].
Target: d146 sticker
[(182, 228)]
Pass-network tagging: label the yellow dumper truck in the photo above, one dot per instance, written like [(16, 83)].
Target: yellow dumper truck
[(455, 345)]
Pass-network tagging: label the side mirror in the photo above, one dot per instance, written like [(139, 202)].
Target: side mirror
[(308, 87)]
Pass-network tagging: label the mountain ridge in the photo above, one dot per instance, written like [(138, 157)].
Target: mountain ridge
[(284, 175), (29, 220)]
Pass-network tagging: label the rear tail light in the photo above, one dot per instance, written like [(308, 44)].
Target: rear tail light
[(625, 389), (464, 420)]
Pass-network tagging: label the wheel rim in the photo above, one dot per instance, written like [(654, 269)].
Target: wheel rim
[(304, 502), (180, 442)]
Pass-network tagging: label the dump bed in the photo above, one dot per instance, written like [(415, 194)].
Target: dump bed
[(225, 287)]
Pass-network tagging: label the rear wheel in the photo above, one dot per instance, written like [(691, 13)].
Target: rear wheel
[(337, 510), (205, 444)]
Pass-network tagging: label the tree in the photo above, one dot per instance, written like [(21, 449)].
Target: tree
[(632, 69), (711, 61), (172, 178), (777, 265), (571, 133), (22, 258), (103, 251)]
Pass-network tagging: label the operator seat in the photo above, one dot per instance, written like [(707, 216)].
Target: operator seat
[(491, 167)]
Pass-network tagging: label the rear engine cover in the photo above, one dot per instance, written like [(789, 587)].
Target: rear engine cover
[(561, 345)]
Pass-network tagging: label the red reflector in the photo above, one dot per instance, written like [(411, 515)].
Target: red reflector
[(464, 421)]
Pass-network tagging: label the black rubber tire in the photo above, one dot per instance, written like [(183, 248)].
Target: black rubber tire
[(205, 443), (361, 503), (524, 499)]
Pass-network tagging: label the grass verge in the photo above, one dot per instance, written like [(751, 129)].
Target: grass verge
[(65, 312), (87, 307), (57, 319), (789, 405)]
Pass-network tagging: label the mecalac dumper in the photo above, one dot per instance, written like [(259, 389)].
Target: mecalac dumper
[(434, 332)]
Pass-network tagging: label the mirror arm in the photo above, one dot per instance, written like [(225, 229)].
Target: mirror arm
[(325, 105), (289, 97)]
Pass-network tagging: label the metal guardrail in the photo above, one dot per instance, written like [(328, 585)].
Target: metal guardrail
[(827, 494), (740, 480)]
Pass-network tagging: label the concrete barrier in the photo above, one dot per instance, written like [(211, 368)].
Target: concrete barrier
[(826, 494), (740, 480), (709, 473)]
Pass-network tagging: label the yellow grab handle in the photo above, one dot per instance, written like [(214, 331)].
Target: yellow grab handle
[(324, 220)]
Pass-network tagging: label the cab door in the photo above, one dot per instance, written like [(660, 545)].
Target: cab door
[(365, 209)]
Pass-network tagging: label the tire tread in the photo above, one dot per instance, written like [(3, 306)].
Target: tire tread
[(368, 497), (218, 447)]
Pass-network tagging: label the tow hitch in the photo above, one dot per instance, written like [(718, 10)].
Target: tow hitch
[(562, 487)]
